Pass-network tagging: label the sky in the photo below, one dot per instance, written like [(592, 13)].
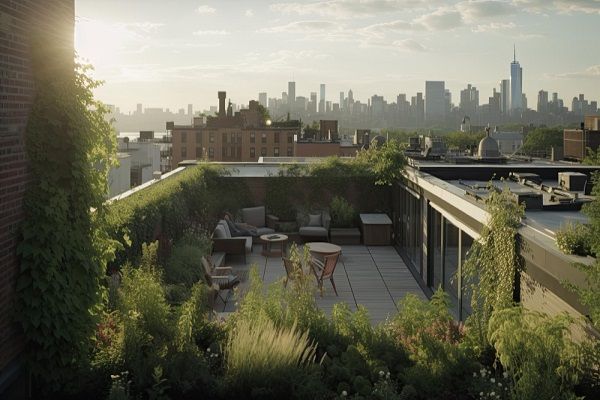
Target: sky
[(171, 53)]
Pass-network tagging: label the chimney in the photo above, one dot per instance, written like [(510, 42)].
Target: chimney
[(222, 96)]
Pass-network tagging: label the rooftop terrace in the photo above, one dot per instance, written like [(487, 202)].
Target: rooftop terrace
[(372, 276)]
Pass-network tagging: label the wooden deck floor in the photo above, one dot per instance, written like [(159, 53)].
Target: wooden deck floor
[(372, 276)]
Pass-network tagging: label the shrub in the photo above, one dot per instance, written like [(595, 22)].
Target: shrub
[(184, 266), (432, 338), (260, 355), (343, 214), (536, 351), (574, 239)]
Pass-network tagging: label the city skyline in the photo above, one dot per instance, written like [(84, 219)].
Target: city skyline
[(167, 55)]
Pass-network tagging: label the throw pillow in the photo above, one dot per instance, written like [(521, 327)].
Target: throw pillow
[(314, 220), (235, 232)]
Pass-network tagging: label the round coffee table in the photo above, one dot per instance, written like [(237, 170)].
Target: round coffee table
[(323, 248), (274, 238)]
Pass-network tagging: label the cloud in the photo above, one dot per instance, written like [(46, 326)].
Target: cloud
[(250, 63), (590, 72), (409, 45), (211, 33), (494, 26), (441, 20), (391, 27), (474, 10), (307, 27), (249, 13), (204, 9), (560, 6), (350, 8)]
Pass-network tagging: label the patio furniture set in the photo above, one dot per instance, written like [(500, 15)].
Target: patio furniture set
[(258, 227)]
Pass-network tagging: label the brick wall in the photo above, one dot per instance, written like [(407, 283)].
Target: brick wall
[(20, 21)]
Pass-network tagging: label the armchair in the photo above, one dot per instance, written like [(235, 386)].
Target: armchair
[(314, 227), (258, 217)]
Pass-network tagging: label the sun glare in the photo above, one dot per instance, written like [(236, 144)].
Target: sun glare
[(100, 42)]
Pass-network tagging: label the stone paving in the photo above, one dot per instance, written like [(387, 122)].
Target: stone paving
[(372, 276)]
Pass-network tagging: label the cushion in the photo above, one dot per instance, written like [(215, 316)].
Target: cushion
[(314, 220), (254, 216), (220, 232), (233, 229), (224, 224), (313, 231), (264, 231), (248, 243)]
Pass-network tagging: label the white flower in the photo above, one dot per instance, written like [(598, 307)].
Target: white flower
[(505, 374), (387, 375), (344, 393), (493, 393), (481, 394), (208, 349), (499, 384), (474, 374), (492, 380), (381, 373)]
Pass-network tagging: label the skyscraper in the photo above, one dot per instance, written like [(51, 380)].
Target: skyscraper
[(516, 84), (322, 98), (505, 96), (342, 100), (262, 99), (291, 94), (435, 100), (542, 102), (469, 100), (190, 110)]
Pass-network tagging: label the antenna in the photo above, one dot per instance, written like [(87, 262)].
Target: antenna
[(514, 53)]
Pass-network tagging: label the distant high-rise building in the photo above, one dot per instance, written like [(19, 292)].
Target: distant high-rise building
[(284, 97), (342, 100), (322, 98), (190, 110), (469, 100), (377, 106), (417, 108), (350, 97), (542, 101), (524, 101), (435, 100), (262, 99), (291, 94), (516, 85), (139, 109), (312, 104), (505, 96)]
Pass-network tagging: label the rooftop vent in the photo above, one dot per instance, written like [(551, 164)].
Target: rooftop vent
[(572, 181)]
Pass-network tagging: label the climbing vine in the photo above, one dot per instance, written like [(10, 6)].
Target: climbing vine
[(492, 266), (64, 247)]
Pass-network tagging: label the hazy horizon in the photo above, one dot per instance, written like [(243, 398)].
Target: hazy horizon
[(168, 55)]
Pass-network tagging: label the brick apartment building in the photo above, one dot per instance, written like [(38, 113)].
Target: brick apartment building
[(578, 141), (241, 137), (51, 24)]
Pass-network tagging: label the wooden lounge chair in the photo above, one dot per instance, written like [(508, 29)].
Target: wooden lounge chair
[(291, 270), (325, 269), (219, 279)]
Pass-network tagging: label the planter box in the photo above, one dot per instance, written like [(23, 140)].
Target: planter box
[(344, 235)]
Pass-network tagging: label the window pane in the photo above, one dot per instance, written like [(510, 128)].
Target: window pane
[(466, 243), (451, 263), (435, 280)]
